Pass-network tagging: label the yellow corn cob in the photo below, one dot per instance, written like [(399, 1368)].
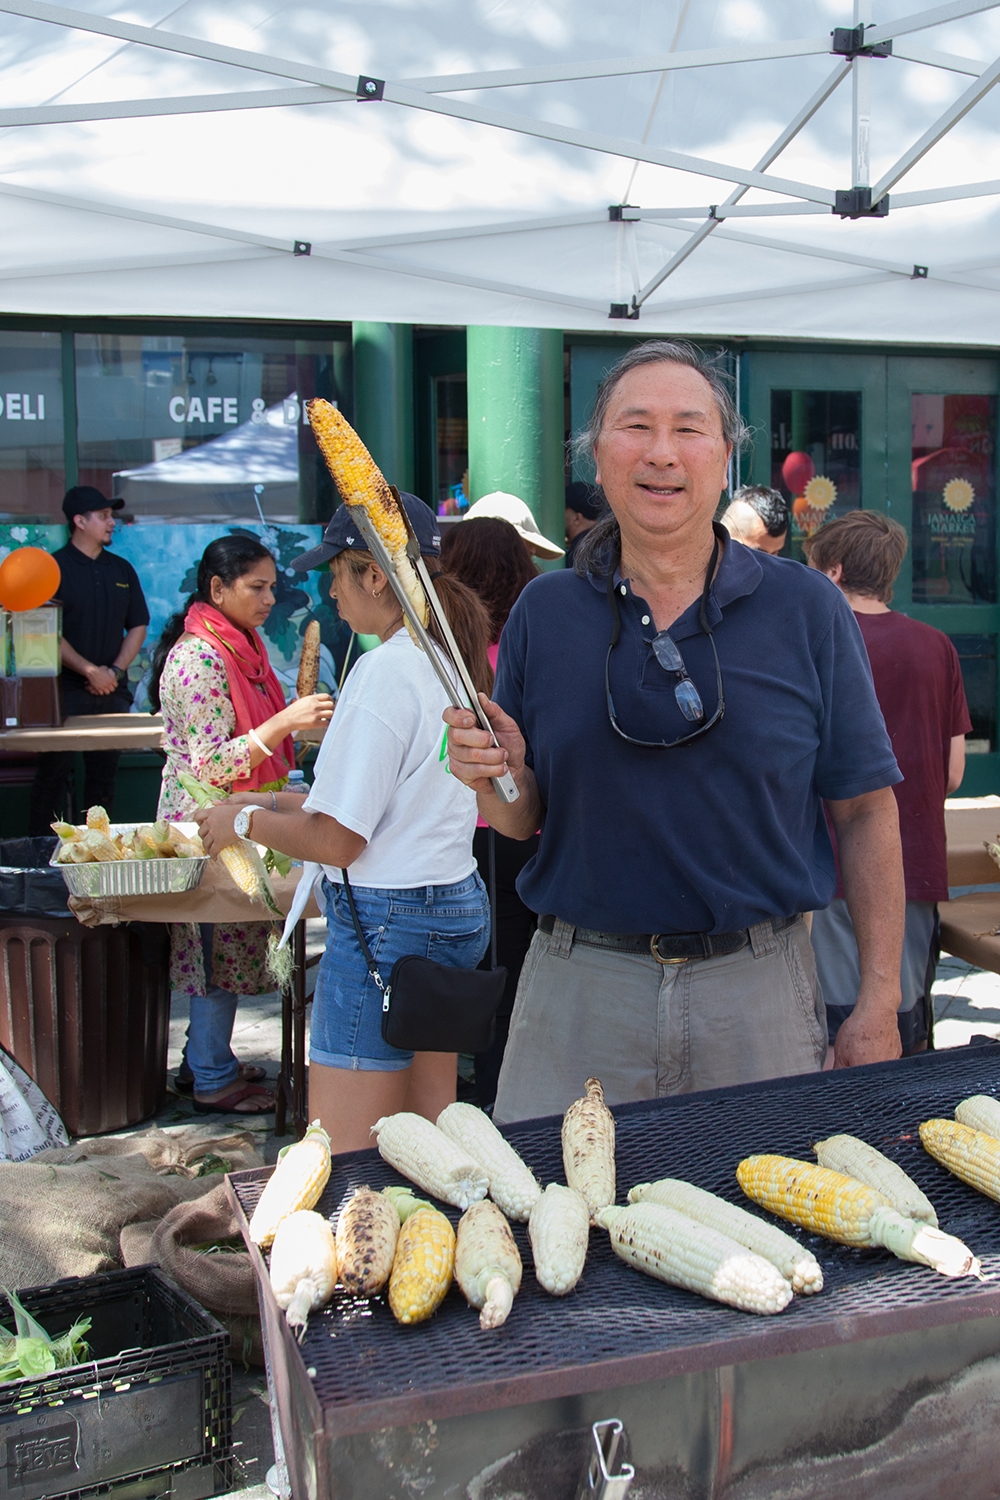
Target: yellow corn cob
[(297, 1181), (246, 870), (303, 1266), (512, 1187), (980, 1112), (843, 1209), (99, 845), (971, 1155), (487, 1263), (559, 1232), (797, 1264), (367, 1231), (98, 818), (422, 1266), (678, 1250), (361, 482), (424, 1154), (855, 1158), (588, 1144), (308, 678)]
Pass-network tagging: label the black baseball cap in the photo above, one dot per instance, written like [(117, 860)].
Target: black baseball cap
[(584, 499), (83, 498), (343, 535)]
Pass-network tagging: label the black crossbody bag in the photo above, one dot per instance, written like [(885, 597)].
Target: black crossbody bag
[(432, 1007)]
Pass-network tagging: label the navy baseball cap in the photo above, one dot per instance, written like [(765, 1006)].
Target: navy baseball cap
[(343, 535), (83, 498)]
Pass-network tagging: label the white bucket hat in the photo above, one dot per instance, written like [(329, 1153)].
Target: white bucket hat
[(502, 507)]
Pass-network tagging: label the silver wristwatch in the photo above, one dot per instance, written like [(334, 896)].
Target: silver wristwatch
[(241, 823)]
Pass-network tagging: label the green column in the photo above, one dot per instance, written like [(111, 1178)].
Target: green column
[(383, 397), (517, 419)]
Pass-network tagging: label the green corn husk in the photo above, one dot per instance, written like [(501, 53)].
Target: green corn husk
[(31, 1353)]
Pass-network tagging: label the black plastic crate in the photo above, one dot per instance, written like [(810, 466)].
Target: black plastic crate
[(149, 1416)]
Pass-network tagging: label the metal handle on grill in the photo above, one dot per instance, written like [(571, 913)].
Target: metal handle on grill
[(598, 1482)]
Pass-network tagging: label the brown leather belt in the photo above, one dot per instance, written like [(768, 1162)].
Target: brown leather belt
[(668, 947)]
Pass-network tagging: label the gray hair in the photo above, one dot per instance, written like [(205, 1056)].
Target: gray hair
[(602, 544)]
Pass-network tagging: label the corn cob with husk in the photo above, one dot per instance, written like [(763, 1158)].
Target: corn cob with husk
[(797, 1264), (513, 1187), (424, 1154), (679, 1250), (855, 1158), (980, 1112), (971, 1155), (297, 1182), (487, 1263), (303, 1266), (367, 1231), (240, 860), (588, 1144), (843, 1209), (361, 482), (308, 678), (424, 1261), (559, 1233)]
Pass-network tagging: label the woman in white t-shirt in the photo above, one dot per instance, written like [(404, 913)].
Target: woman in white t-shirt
[(385, 806)]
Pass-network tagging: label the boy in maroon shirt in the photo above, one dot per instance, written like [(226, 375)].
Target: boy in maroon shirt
[(918, 682)]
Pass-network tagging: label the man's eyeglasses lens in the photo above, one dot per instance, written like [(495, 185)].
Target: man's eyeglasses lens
[(670, 659)]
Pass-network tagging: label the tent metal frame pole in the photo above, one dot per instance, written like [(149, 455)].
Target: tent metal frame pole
[(945, 122)]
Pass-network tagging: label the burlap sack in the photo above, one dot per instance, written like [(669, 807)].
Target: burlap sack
[(184, 1150)]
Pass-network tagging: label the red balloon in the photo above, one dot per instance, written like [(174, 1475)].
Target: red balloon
[(796, 471), (28, 578)]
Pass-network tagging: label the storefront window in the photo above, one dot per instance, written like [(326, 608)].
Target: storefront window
[(954, 499), (32, 480), (978, 656), (451, 412), (203, 428), (816, 456)]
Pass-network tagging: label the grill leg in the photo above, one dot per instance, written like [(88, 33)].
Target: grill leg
[(599, 1482)]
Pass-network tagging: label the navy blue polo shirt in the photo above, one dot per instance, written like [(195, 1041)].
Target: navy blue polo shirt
[(720, 833), (102, 600)]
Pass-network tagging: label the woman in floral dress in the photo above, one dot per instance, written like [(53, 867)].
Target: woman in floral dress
[(225, 722)]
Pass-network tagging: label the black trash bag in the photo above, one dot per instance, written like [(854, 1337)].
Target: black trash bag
[(29, 887)]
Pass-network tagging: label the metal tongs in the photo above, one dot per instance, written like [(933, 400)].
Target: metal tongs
[(505, 785)]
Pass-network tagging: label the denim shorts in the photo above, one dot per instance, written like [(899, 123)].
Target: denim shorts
[(448, 923)]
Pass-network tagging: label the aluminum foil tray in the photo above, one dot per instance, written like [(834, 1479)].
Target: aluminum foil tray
[(134, 877)]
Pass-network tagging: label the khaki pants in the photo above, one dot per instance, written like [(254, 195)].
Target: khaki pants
[(647, 1029)]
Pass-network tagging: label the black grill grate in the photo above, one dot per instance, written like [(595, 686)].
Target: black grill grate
[(360, 1355)]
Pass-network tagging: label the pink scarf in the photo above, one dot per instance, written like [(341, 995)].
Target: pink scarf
[(254, 690)]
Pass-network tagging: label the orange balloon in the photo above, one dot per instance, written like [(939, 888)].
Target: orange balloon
[(28, 578), (799, 507)]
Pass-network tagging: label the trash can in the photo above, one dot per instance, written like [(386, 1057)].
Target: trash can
[(84, 1010)]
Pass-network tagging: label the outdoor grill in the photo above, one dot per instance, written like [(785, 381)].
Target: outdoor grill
[(887, 1383)]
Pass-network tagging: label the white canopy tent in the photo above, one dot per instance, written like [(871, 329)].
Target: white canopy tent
[(516, 162)]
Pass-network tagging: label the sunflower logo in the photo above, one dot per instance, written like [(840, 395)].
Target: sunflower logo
[(820, 492), (958, 494)]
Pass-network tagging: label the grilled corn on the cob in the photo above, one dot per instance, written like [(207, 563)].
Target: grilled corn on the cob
[(424, 1154), (487, 1263), (588, 1144), (422, 1266), (679, 1250), (843, 1209), (971, 1155), (797, 1264), (367, 1231), (513, 1187), (559, 1232), (979, 1112), (303, 1266), (855, 1158), (297, 1181), (308, 678)]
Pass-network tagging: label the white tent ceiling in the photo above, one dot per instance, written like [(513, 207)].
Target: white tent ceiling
[(160, 160)]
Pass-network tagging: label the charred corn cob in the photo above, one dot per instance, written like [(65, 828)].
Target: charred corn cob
[(428, 1157), (308, 678), (303, 1267), (297, 1181), (487, 1263), (367, 1231), (971, 1155), (559, 1232), (588, 1144), (361, 482), (797, 1264), (980, 1112), (98, 818), (422, 1266), (678, 1250), (843, 1209), (513, 1188), (855, 1158)]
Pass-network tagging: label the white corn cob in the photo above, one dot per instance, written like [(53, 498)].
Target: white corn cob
[(513, 1187), (797, 1264), (678, 1250), (303, 1266), (855, 1158), (297, 1181), (424, 1154), (559, 1232), (487, 1263), (588, 1143), (980, 1112)]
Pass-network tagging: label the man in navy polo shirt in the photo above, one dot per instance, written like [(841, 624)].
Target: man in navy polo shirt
[(676, 711)]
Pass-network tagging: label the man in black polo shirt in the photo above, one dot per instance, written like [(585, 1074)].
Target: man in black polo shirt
[(104, 624)]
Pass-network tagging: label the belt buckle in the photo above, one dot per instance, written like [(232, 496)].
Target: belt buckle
[(658, 955)]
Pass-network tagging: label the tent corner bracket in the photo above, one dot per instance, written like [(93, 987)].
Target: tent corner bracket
[(624, 213), (625, 310), (856, 203), (849, 41)]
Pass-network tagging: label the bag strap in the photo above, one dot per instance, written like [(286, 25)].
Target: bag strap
[(372, 966), (492, 868)]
